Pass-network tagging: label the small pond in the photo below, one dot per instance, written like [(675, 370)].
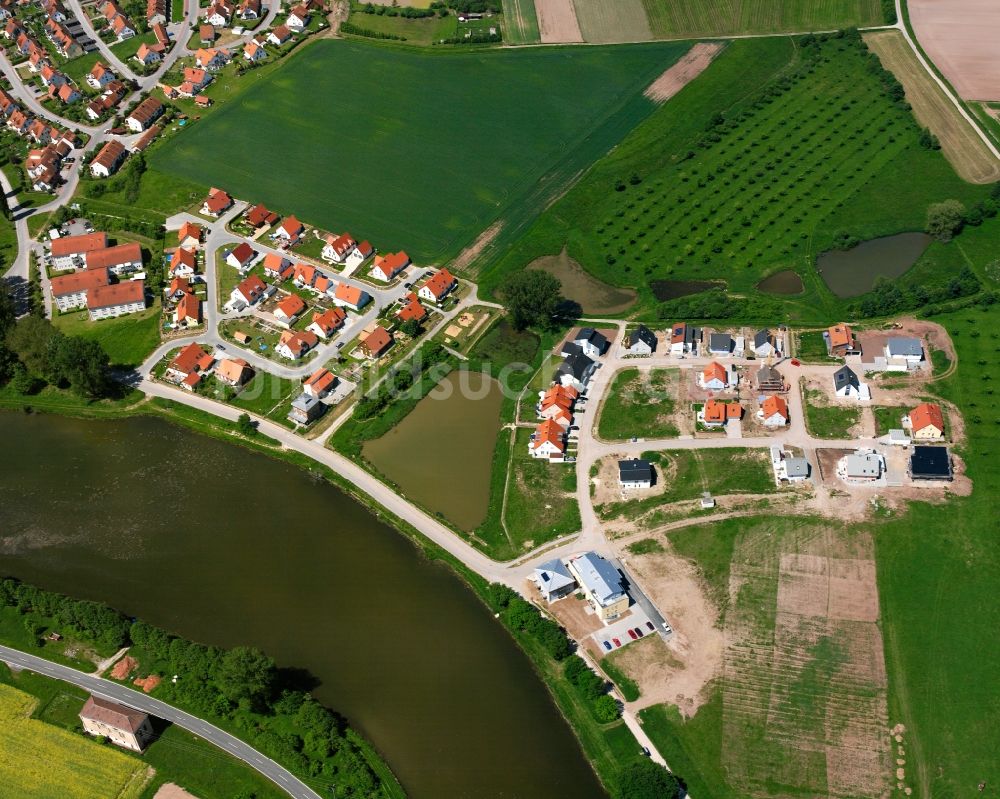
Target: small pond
[(441, 453), (850, 273), (665, 290), (594, 296), (786, 282)]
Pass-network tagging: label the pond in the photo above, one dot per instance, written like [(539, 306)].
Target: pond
[(665, 290), (441, 454), (228, 547), (594, 296), (850, 273), (786, 282)]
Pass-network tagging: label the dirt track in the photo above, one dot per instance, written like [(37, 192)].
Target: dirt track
[(961, 37), (557, 21), (694, 62)]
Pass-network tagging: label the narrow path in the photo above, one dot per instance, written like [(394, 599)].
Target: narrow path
[(279, 775)]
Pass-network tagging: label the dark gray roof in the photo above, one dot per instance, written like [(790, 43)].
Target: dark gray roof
[(905, 347), (930, 462), (761, 337), (635, 470), (592, 336), (845, 376), (720, 342), (642, 333), (692, 335), (768, 374), (576, 364)]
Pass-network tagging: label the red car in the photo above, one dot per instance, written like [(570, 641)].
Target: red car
[(616, 642), (632, 635), (795, 362)]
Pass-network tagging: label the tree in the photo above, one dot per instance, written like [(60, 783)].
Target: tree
[(532, 297), (83, 364), (245, 425), (605, 709), (644, 779), (33, 339), (945, 219), (245, 673), (411, 327)]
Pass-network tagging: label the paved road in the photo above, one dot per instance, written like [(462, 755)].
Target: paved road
[(280, 776), (117, 66)]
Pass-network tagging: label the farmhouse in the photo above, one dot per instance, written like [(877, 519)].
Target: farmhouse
[(217, 202), (327, 323), (438, 286), (118, 299), (249, 291), (241, 256), (107, 161), (589, 342), (641, 341), (144, 115), (387, 266), (305, 409), (320, 383), (293, 345), (773, 412), (635, 473), (840, 341), (684, 340), (925, 422), (124, 726), (337, 248), (601, 584), (548, 441), (70, 291), (376, 342), (289, 309), (930, 463), (233, 372), (553, 580), (715, 377)]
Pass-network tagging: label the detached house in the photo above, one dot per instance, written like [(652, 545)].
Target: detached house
[(641, 341), (590, 343), (438, 286), (305, 409), (840, 341), (773, 412), (411, 309), (249, 291), (635, 473), (763, 344), (717, 414), (926, 422), (684, 340), (293, 345), (241, 256), (769, 379), (298, 19), (348, 296), (249, 9), (575, 370), (149, 54), (910, 350), (144, 115), (337, 248), (107, 161), (277, 266), (122, 725), (122, 28), (234, 372), (100, 76), (279, 35), (254, 52), (320, 383), (212, 59), (189, 235), (188, 311), (327, 323), (219, 14), (386, 267), (289, 309), (548, 441), (846, 384), (217, 202), (183, 263), (191, 360), (290, 229), (377, 342), (258, 217), (714, 377)]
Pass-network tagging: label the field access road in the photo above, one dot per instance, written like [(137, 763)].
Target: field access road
[(280, 776)]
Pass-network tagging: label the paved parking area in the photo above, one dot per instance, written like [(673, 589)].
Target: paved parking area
[(618, 629)]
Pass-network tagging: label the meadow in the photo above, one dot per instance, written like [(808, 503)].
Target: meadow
[(754, 167), (640, 404), (127, 339), (444, 172)]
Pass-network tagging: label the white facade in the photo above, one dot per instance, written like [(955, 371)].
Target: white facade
[(112, 311)]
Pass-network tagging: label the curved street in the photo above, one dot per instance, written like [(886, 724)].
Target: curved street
[(279, 775)]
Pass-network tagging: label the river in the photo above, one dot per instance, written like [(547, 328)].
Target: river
[(229, 547)]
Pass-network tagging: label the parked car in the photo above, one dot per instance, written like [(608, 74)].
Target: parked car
[(616, 642), (632, 635), (795, 362), (649, 624), (668, 629), (607, 645), (645, 751), (638, 632)]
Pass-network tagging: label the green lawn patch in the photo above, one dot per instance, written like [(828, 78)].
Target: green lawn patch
[(887, 417), (628, 686), (553, 106), (505, 348), (267, 395), (423, 32), (828, 421), (810, 346), (127, 339), (640, 405)]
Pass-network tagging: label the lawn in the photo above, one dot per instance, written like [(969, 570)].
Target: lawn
[(887, 417), (828, 421), (520, 22), (810, 346), (44, 761), (504, 348), (423, 32), (696, 18), (741, 174), (267, 395), (127, 339), (640, 405), (557, 108)]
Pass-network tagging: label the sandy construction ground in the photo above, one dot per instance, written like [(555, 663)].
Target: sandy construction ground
[(170, 791), (962, 37), (694, 62), (557, 21)]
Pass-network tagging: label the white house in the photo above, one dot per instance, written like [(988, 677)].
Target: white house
[(773, 412), (910, 350), (641, 341), (553, 580), (241, 256), (715, 377), (548, 441), (635, 473), (763, 344), (846, 384), (249, 291), (591, 343)]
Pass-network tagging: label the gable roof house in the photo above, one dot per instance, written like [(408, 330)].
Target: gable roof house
[(557, 403), (351, 297), (305, 408), (249, 291), (773, 411), (156, 12), (438, 286), (183, 263), (411, 309), (714, 377), (910, 350), (763, 344), (601, 584), (71, 291), (548, 441), (234, 372), (293, 345), (387, 266), (144, 115), (67, 93), (188, 311), (279, 35), (289, 309), (189, 235), (122, 28), (590, 343), (120, 259), (846, 382), (249, 9), (69, 252), (277, 266), (122, 725), (337, 248), (325, 324), (116, 299), (195, 80), (149, 54), (290, 229), (576, 369), (241, 256), (179, 286), (259, 216), (320, 383), (926, 422), (716, 414), (641, 341), (376, 342), (212, 59), (635, 473), (192, 359), (206, 33), (254, 52), (840, 341), (107, 161), (217, 202), (219, 14), (297, 18), (684, 339)]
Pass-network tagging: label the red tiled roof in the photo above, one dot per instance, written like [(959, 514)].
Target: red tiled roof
[(925, 415), (130, 252), (291, 306), (376, 342), (72, 245), (116, 294), (440, 283)]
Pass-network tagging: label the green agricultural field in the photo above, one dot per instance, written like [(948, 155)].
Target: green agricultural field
[(674, 19), (520, 22), (46, 762), (640, 404), (621, 21), (729, 180), (429, 157)]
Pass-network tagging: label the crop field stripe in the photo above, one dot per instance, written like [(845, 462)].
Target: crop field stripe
[(960, 143), (547, 102), (681, 18), (621, 21), (521, 22)]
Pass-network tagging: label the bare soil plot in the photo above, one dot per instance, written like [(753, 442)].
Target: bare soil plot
[(960, 142), (804, 682), (608, 23), (171, 791), (594, 296), (557, 21), (695, 61), (961, 38)]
